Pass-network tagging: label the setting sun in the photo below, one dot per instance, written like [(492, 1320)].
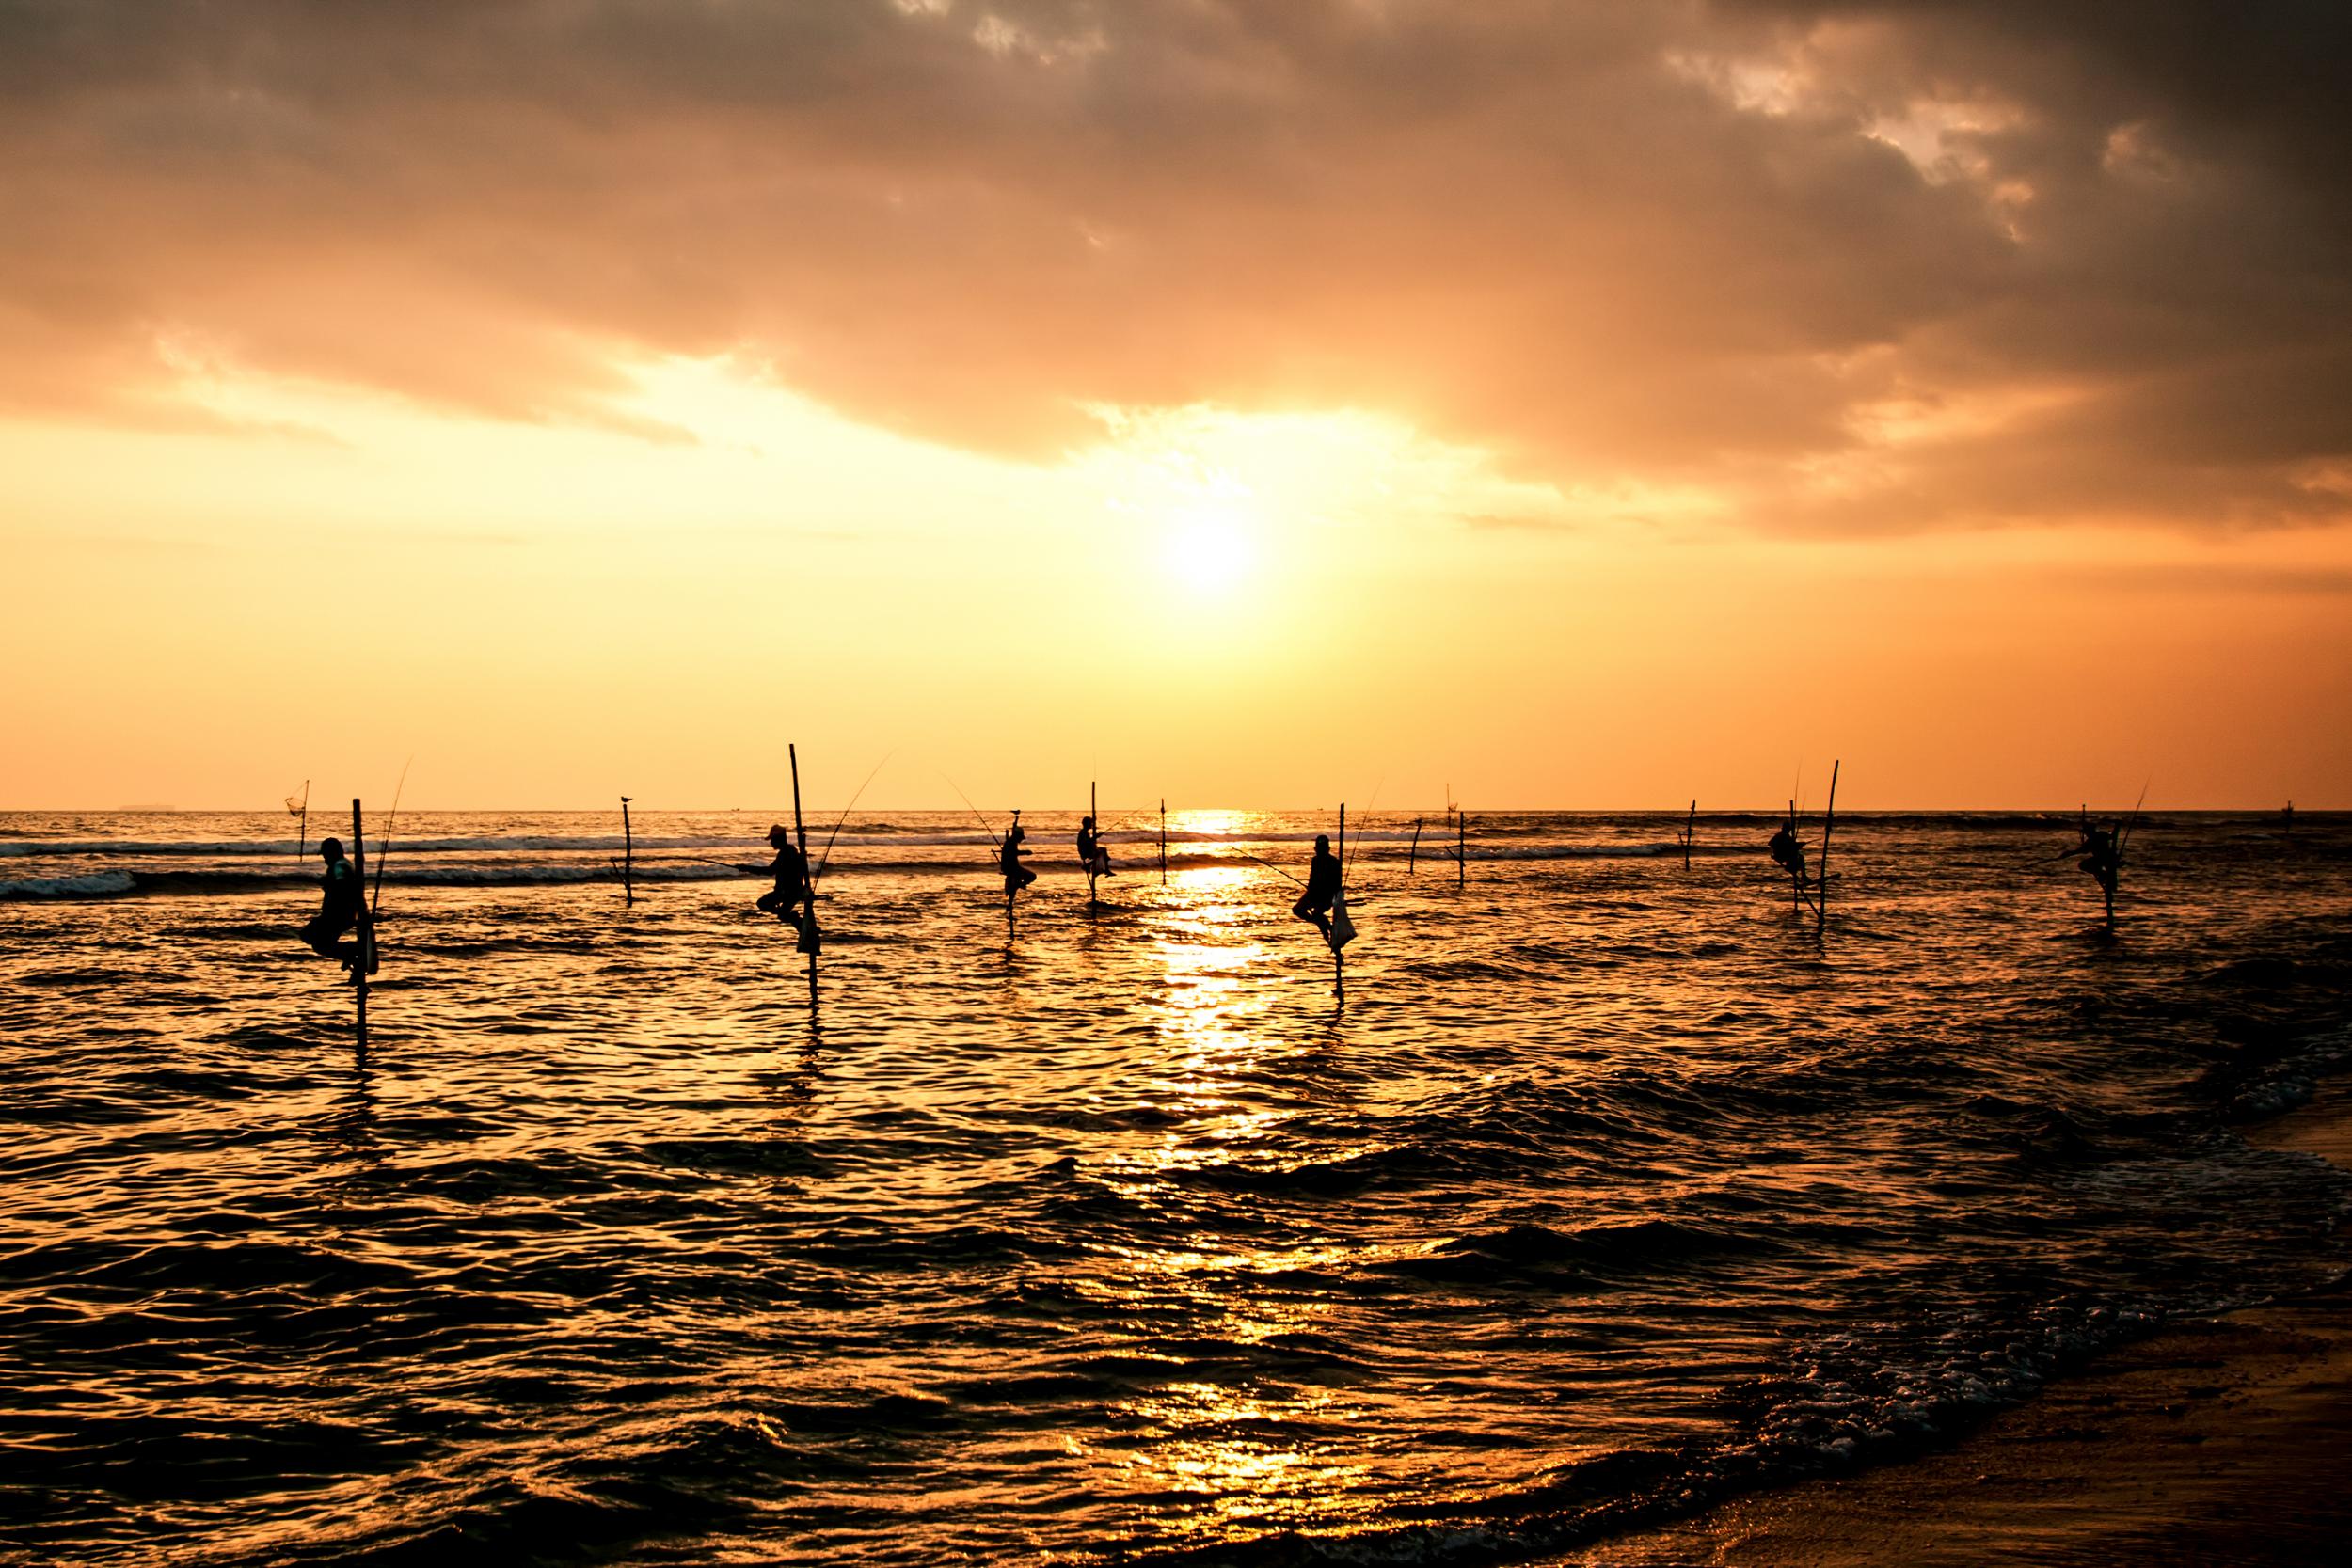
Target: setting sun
[(1210, 548)]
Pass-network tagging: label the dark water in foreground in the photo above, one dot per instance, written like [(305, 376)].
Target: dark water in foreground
[(1606, 1191)]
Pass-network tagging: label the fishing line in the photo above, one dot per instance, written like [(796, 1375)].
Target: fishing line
[(385, 851), (974, 810), (2125, 835), (826, 859), (1268, 864), (1358, 847)]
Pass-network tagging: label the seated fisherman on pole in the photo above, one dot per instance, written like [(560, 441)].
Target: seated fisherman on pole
[(1787, 852), (1009, 859), (1322, 887), (339, 910), (1096, 859), (790, 869), (2102, 855)]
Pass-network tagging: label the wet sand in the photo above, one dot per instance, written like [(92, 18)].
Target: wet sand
[(2216, 1441)]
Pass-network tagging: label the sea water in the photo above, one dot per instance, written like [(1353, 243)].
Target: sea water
[(1106, 1232)]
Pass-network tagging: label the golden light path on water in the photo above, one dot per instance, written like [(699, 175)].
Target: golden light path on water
[(1607, 1186)]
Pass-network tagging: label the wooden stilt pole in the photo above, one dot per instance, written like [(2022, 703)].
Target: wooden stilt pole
[(364, 940), (1162, 841), (1412, 855), (628, 857), (1690, 828), (1339, 959), (2107, 884), (1796, 878), (1821, 892), (1461, 849), (809, 887), (1094, 811), (302, 834)]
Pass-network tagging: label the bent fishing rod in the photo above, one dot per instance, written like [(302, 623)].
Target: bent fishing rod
[(975, 812), (384, 852), (826, 859)]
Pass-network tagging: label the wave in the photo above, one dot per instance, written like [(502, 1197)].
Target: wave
[(94, 884), (227, 849), (1432, 843)]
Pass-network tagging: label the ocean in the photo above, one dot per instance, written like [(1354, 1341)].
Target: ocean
[(1607, 1189)]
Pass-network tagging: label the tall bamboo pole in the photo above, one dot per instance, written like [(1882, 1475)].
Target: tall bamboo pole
[(808, 886), (1412, 855), (1461, 849), (1796, 878), (1821, 894), (1094, 811), (1162, 841), (629, 856), (1688, 829), (364, 941), (1339, 959)]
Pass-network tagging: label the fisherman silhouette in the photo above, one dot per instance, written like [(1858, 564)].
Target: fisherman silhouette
[(1092, 854), (339, 910), (1009, 859), (1787, 852), (1323, 886), (790, 869), (2102, 856)]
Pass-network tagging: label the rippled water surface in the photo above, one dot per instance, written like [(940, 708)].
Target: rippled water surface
[(1605, 1189)]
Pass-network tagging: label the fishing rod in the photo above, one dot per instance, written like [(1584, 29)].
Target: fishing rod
[(1267, 863), (384, 850), (301, 810), (731, 866), (1358, 846), (1139, 810), (974, 810), (826, 859), (2124, 836)]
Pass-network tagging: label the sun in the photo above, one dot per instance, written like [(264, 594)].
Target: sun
[(1209, 548)]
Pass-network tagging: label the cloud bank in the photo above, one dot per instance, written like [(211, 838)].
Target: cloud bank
[(1838, 268)]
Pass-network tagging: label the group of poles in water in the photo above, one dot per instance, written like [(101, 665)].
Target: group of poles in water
[(348, 907)]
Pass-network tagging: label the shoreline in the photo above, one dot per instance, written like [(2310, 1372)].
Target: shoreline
[(2223, 1439)]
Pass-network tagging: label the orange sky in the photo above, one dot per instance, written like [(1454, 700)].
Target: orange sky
[(1588, 405)]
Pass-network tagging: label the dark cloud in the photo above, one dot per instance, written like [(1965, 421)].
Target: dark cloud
[(1857, 267)]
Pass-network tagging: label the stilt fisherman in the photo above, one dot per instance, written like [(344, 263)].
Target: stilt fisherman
[(339, 910), (790, 900), (1092, 854), (1009, 860), (1787, 853), (2100, 853), (1323, 888)]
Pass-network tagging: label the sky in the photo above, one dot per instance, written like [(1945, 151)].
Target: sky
[(1584, 405)]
